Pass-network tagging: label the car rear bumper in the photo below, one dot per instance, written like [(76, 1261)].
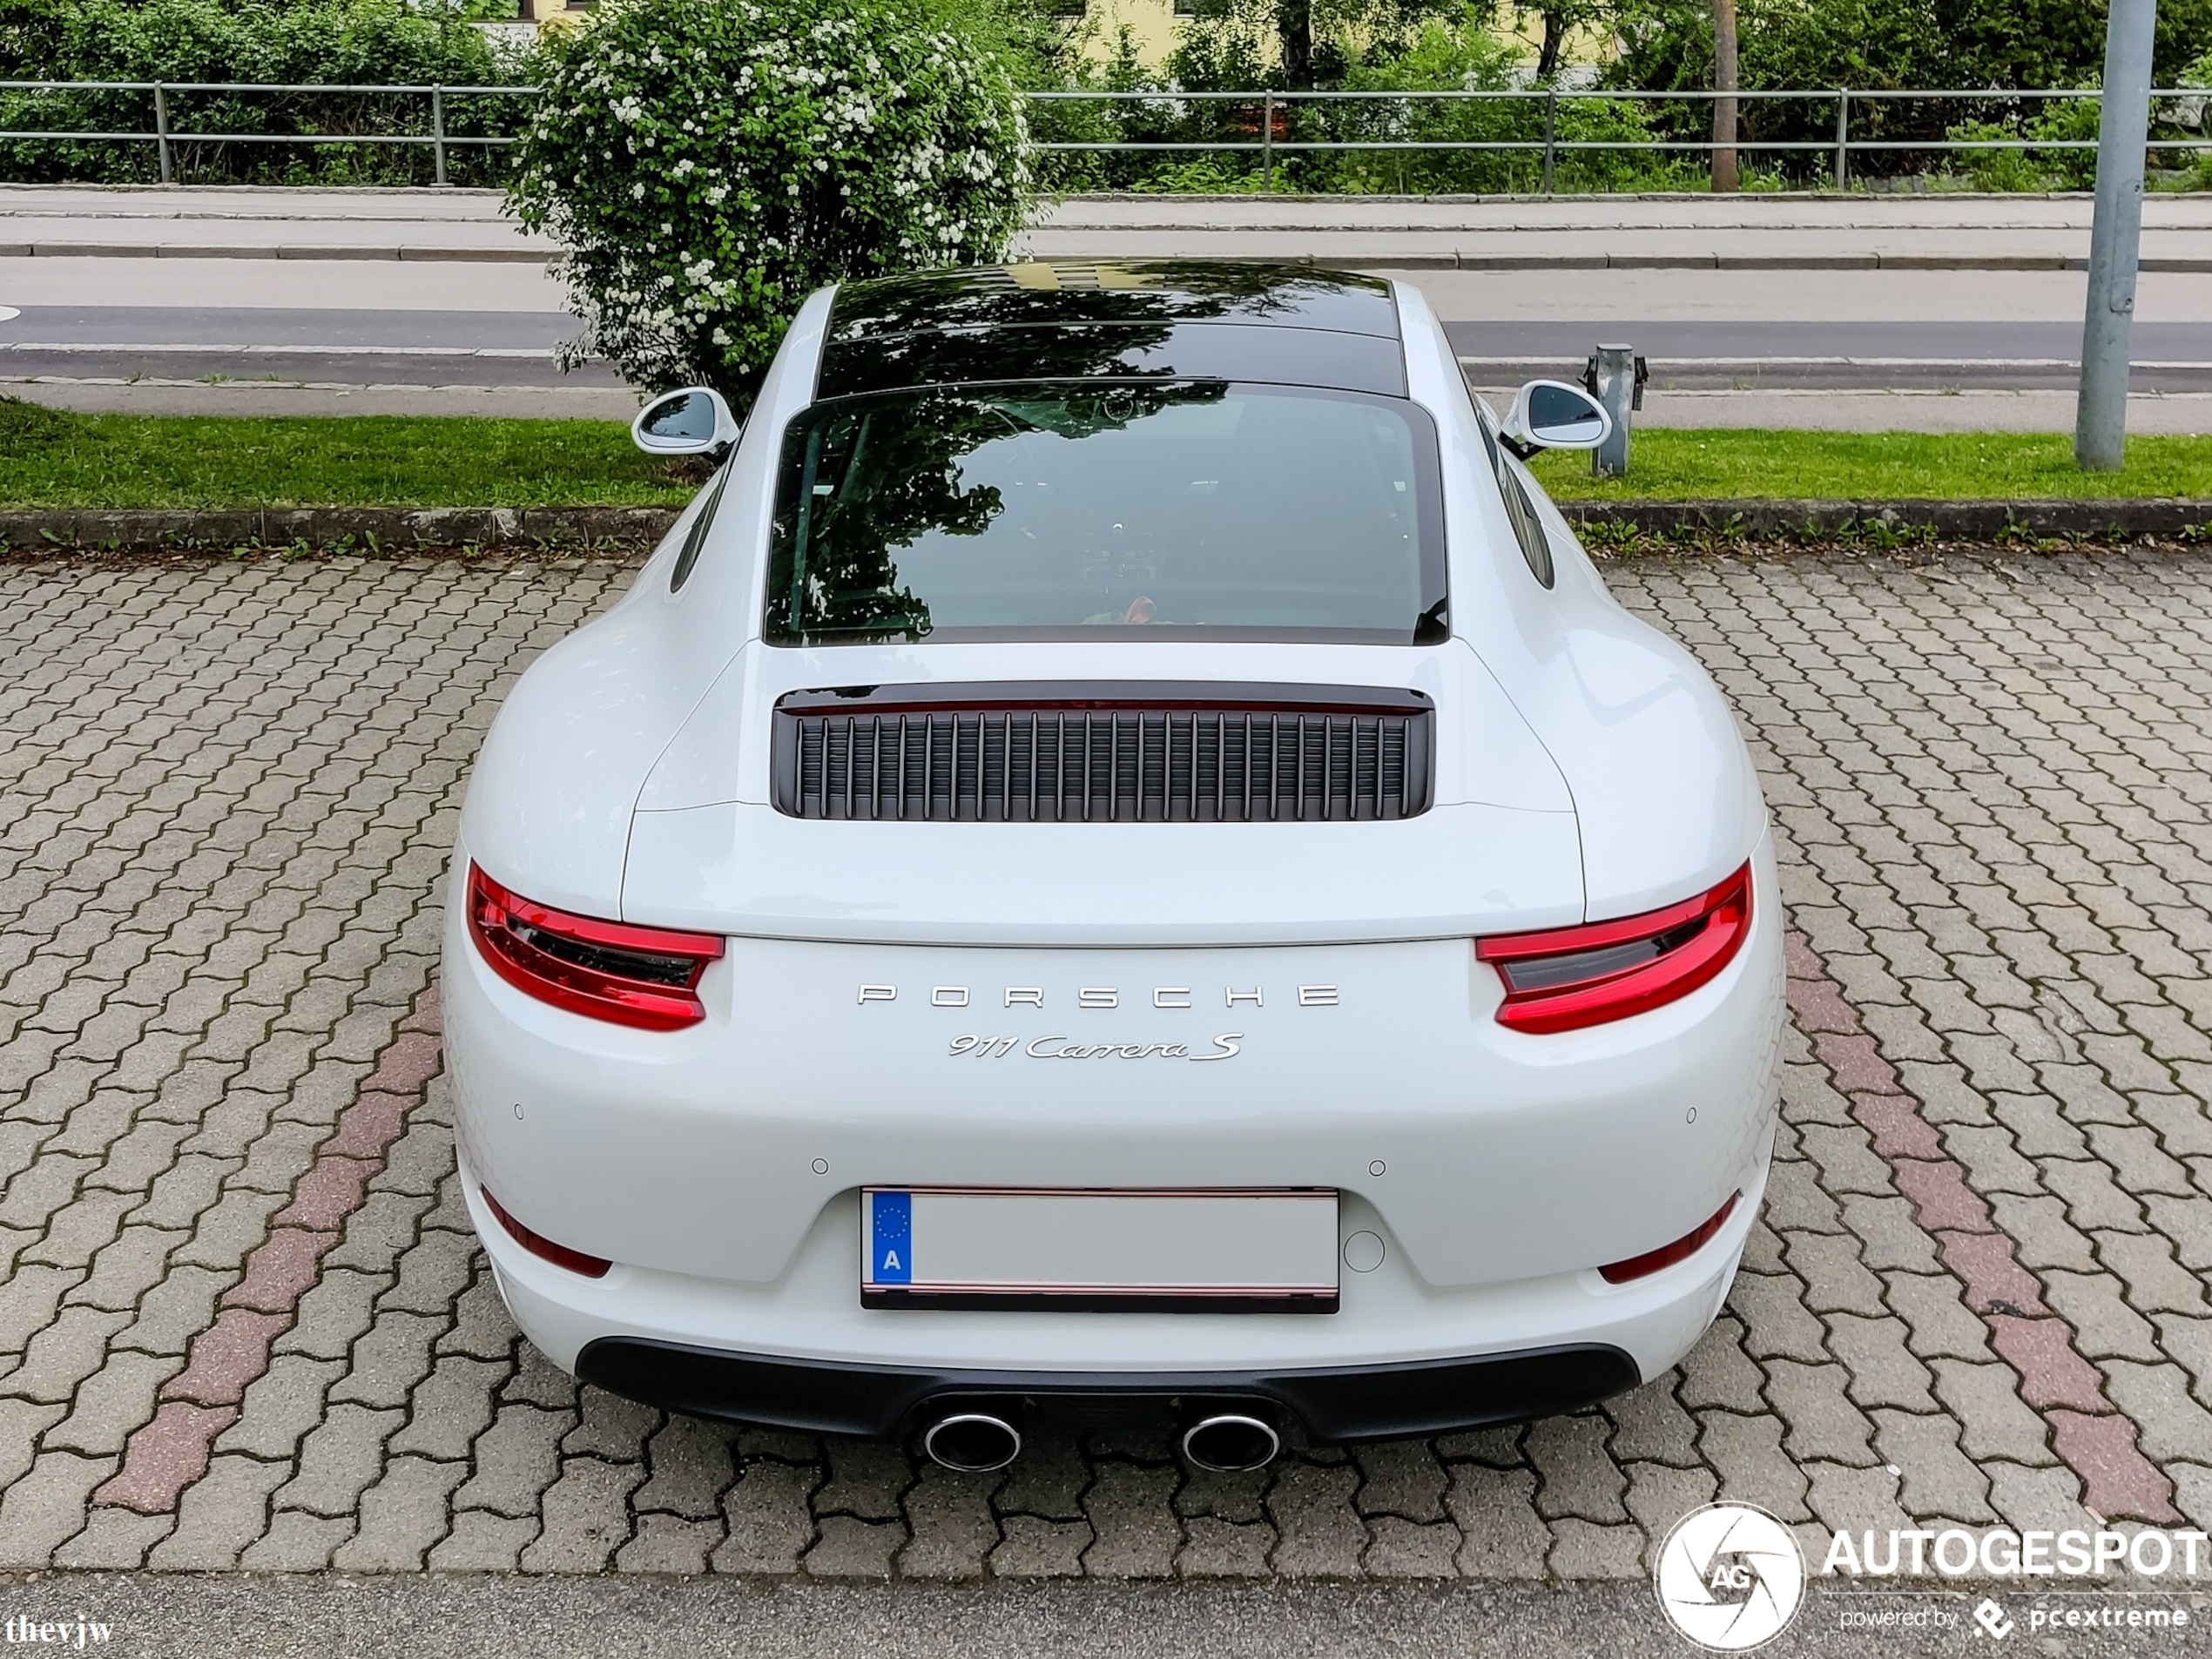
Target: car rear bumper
[(1333, 1403)]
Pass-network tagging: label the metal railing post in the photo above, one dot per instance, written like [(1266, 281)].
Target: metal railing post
[(161, 129), (1267, 144), (1843, 138), (1551, 134), (438, 136)]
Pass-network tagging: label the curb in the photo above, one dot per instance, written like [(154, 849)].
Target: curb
[(404, 529), (385, 529), (2117, 519)]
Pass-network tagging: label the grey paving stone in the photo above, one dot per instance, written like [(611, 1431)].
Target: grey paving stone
[(403, 1516), (1134, 1532), (587, 1517), (1503, 1536)]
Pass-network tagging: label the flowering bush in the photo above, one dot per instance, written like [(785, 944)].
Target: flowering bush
[(709, 163)]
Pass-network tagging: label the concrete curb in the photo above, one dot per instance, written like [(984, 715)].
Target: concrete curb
[(402, 530), (389, 529), (1963, 521)]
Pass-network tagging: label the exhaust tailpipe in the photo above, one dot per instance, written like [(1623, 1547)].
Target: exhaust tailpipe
[(971, 1442), (1231, 1442)]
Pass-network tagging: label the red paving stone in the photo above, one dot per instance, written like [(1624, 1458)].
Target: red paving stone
[(331, 1190), (228, 1356), (280, 1272), (2118, 1482), (367, 1127), (1858, 1065), (1996, 1281), (164, 1457), (2052, 1373), (1899, 1130), (1941, 1199)]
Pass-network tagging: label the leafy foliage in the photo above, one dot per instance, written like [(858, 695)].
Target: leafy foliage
[(710, 163), (298, 42)]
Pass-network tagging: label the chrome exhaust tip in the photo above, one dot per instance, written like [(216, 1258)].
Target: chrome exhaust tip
[(971, 1442), (1231, 1443)]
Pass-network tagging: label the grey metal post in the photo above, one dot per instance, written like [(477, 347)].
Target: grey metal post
[(1616, 389), (1551, 134), (161, 128), (1843, 138), (2115, 237), (438, 135), (1267, 144)]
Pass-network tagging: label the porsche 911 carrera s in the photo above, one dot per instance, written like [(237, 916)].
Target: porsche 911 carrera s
[(1119, 856)]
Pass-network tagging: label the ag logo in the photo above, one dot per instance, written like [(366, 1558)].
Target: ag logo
[(1730, 1577)]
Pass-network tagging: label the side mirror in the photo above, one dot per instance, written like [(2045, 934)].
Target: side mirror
[(1551, 415), (694, 422)]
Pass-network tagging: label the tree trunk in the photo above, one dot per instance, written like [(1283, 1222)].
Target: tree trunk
[(1555, 42), (1294, 22), (1724, 83)]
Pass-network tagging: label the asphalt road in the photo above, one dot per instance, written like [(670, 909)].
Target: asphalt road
[(516, 348), (486, 1617)]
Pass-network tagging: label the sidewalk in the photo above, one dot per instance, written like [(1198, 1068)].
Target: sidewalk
[(1755, 232)]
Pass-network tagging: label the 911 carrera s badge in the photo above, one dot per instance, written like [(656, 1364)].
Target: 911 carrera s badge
[(1227, 1046)]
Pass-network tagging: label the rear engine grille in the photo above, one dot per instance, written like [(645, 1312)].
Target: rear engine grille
[(1187, 754)]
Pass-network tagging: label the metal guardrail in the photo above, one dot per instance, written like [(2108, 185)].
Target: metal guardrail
[(165, 135)]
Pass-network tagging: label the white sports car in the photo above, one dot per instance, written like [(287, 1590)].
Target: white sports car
[(1118, 857)]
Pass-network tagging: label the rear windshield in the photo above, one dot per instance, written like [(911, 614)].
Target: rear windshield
[(1199, 511)]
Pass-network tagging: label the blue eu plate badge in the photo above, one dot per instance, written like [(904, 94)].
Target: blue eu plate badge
[(891, 1237)]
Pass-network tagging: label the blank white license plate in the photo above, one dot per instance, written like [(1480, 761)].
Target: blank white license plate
[(1156, 1250)]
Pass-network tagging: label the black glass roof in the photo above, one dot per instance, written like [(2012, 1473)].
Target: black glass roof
[(1143, 319)]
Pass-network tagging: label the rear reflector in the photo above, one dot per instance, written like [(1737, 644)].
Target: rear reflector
[(538, 1244), (1666, 1255), (1567, 978), (643, 976)]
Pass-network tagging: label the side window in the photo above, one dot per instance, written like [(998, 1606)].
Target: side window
[(695, 538), (1526, 525), (1528, 529)]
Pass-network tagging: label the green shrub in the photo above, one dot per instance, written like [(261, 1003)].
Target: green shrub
[(709, 163), (2043, 121), (298, 42)]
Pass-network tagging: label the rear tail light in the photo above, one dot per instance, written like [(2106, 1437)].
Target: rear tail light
[(1570, 977), (642, 976), (538, 1244), (1666, 1255)]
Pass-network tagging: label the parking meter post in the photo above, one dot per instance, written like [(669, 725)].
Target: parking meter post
[(2115, 237), (1616, 389)]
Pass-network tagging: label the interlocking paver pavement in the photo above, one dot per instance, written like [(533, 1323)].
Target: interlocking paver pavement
[(244, 1323)]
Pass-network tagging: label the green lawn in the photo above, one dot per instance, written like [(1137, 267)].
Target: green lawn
[(1877, 466), (49, 459)]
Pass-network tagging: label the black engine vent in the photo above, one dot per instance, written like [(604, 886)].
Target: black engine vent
[(1125, 753)]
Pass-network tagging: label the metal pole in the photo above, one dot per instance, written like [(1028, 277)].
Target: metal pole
[(2123, 126), (1843, 139), (1551, 134), (1267, 144), (161, 128), (438, 135), (1616, 389)]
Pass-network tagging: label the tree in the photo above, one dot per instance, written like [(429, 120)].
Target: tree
[(1724, 85)]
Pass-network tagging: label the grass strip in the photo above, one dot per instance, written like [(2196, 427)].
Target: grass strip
[(49, 458), (1727, 465)]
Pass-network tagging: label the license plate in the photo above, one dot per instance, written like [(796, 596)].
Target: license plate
[(1151, 1251)]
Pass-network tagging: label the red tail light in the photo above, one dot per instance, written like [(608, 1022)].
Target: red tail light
[(1666, 1255), (642, 976), (1571, 977), (538, 1244)]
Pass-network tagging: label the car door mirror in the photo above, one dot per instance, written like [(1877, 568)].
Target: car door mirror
[(1551, 415), (694, 422)]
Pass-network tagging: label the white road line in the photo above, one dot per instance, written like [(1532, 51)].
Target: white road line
[(183, 348)]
